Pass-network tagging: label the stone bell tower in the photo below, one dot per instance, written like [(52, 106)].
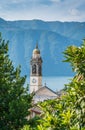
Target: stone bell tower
[(35, 70)]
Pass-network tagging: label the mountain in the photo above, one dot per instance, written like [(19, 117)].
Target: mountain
[(52, 37)]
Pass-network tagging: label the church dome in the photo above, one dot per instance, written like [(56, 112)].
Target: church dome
[(36, 50)]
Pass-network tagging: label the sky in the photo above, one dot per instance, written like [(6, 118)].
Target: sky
[(47, 10)]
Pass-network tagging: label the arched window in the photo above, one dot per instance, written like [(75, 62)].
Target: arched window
[(34, 69)]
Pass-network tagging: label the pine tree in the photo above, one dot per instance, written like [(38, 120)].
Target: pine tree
[(14, 98)]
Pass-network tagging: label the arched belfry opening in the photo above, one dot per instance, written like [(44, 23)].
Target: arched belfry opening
[(34, 69)]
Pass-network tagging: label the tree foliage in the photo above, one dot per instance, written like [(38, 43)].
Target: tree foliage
[(14, 98)]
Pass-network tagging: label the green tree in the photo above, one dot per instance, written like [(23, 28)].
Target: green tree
[(14, 98), (76, 57)]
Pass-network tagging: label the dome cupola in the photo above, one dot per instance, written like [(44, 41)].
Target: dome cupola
[(36, 52)]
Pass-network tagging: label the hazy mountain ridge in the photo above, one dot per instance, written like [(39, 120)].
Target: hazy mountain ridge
[(53, 38)]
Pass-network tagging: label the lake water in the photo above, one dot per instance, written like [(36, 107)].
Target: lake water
[(55, 83)]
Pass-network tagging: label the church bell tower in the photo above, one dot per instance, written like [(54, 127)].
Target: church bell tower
[(35, 70)]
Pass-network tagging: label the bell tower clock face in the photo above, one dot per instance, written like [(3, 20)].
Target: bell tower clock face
[(34, 80)]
